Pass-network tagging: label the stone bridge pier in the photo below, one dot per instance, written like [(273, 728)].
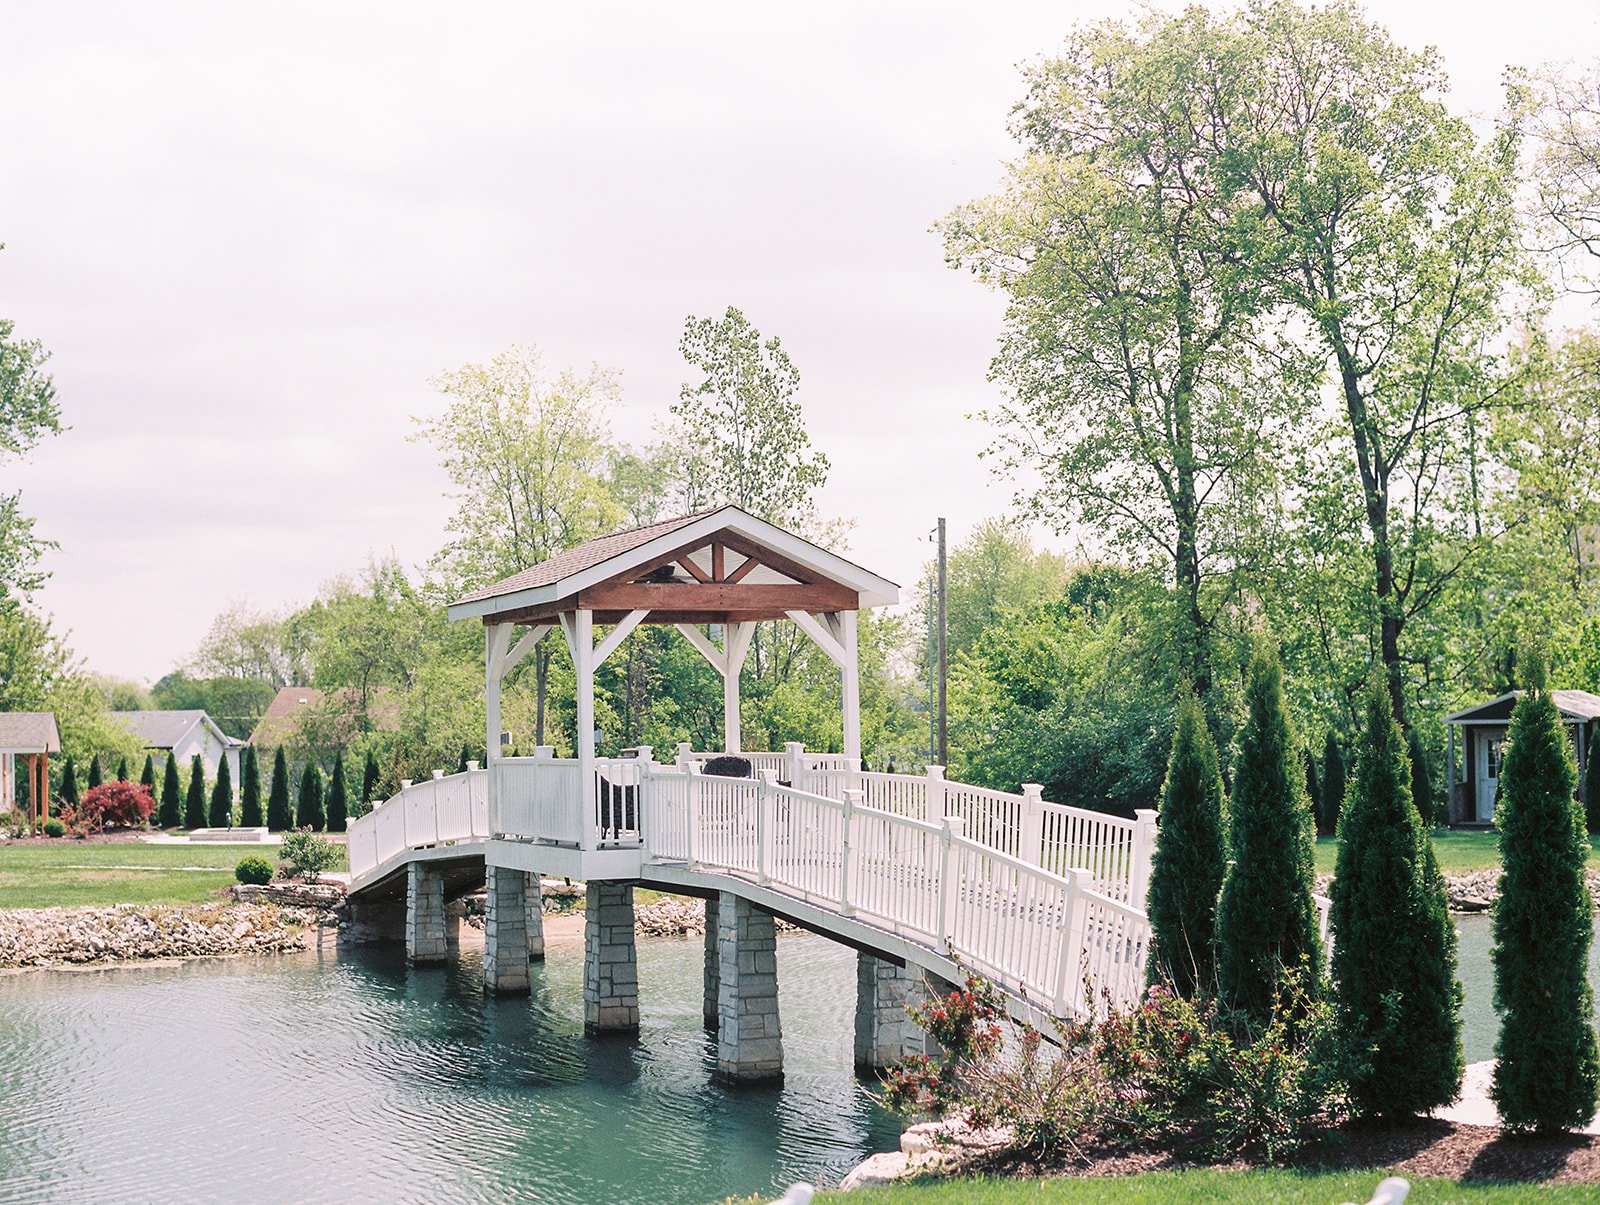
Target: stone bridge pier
[(885, 1034)]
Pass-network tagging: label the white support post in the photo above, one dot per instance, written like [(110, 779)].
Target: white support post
[(691, 807), (735, 641), (949, 878), (936, 795), (579, 627), (847, 857), (1069, 966), (851, 691), (794, 753), (1030, 841), (685, 749), (497, 639), (764, 825), (1144, 848)]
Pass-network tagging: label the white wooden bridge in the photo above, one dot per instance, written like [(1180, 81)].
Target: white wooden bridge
[(917, 873)]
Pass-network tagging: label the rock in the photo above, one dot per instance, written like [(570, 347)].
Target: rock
[(54, 936), (883, 1168)]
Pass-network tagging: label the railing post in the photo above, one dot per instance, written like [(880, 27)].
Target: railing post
[(764, 835), (951, 827), (1144, 848), (684, 758), (795, 757), (644, 795), (1030, 840), (936, 793), (691, 809), (847, 859), (405, 814), (1069, 969), (473, 767)]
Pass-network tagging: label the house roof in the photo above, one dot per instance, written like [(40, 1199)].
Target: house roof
[(165, 729), (29, 732), (787, 562), (1575, 706), (281, 720)]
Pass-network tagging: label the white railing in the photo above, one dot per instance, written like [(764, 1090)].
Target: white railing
[(436, 811)]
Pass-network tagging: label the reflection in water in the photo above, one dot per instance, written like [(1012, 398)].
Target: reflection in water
[(352, 1078)]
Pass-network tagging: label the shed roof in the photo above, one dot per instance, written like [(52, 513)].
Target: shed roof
[(164, 729), (29, 732), (1575, 706)]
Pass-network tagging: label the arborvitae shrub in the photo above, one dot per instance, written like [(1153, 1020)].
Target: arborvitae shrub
[(1190, 858), (279, 818), (250, 815), (1394, 946), (1313, 785), (69, 783), (1548, 1070), (369, 780), (122, 769), (337, 801), (94, 771), (1421, 780), (1591, 785), (1332, 787), (147, 776), (171, 814), (1266, 922), (466, 756), (308, 812), (194, 803), (221, 815)]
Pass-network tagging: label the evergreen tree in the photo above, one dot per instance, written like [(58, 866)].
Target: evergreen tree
[(338, 805), (1266, 921), (308, 814), (221, 815), (466, 756), (1394, 946), (147, 776), (1332, 787), (69, 783), (1190, 858), (94, 771), (1548, 1069), (194, 803), (122, 769), (171, 813), (1313, 785), (1421, 781), (1591, 785), (279, 818), (250, 790), (369, 781)]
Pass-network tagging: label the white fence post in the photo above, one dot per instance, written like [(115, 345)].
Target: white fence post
[(936, 794), (949, 878), (847, 859), (795, 758), (691, 811), (764, 835), (1030, 840), (1144, 848), (684, 750), (1069, 970)]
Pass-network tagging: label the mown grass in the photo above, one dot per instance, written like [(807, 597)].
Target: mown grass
[(70, 873), (1241, 1188), (1459, 853)]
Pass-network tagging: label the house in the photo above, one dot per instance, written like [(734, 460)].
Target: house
[(1483, 733), (280, 723), (31, 735), (183, 734)]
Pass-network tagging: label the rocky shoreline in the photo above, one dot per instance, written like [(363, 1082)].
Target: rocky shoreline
[(44, 937)]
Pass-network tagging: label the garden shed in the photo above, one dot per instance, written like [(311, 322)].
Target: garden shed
[(27, 739), (1482, 738)]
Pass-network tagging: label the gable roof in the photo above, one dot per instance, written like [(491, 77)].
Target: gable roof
[(280, 722), (1575, 706), (29, 732), (165, 729), (564, 575)]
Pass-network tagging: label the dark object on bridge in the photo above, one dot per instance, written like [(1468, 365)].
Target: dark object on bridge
[(619, 809), (728, 766)]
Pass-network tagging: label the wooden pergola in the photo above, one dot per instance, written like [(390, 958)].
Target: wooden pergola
[(33, 736), (720, 567)]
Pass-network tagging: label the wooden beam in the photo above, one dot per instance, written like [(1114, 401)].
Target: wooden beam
[(716, 596), (616, 636), (718, 562), (691, 569), (744, 570)]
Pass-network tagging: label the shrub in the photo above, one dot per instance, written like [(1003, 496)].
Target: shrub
[(69, 783), (94, 771), (1591, 788), (1421, 780), (1265, 918), (122, 769), (194, 803), (250, 815), (171, 808), (306, 855), (147, 776), (369, 784), (253, 869), (221, 814), (308, 811), (116, 804), (279, 817), (337, 802), (1394, 948), (1332, 787), (1548, 1070), (1186, 873), (55, 827)]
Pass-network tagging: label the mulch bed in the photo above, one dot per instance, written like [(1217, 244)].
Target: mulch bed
[(123, 837), (1442, 1149)]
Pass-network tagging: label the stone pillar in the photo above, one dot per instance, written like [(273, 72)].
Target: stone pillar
[(708, 1008), (535, 919), (610, 960), (505, 931), (749, 1037), (884, 1033), (425, 926)]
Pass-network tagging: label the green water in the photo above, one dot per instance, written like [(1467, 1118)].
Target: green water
[(356, 1078)]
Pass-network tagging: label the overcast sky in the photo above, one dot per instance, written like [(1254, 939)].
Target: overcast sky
[(251, 234)]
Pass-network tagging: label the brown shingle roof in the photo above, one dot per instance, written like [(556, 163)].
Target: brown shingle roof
[(29, 732), (280, 723), (582, 556)]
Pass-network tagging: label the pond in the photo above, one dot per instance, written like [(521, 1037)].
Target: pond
[(354, 1077)]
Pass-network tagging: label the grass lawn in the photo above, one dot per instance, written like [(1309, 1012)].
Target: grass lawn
[(1458, 852), (1158, 1188), (69, 873)]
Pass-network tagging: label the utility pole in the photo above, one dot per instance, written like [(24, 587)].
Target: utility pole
[(944, 655)]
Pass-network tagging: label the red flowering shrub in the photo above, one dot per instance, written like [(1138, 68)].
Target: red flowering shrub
[(116, 805)]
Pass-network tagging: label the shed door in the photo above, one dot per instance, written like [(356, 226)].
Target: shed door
[(1489, 748)]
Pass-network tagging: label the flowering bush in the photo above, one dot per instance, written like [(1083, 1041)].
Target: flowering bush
[(966, 1024), (115, 805)]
